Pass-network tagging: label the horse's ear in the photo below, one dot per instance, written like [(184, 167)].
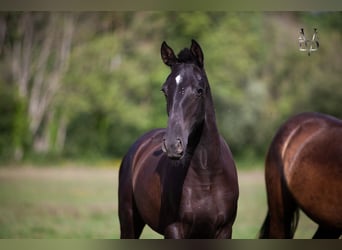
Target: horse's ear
[(167, 54), (197, 52)]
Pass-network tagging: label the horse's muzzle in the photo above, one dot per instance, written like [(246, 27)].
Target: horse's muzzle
[(174, 150)]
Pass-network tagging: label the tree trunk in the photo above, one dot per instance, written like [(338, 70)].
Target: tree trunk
[(39, 60)]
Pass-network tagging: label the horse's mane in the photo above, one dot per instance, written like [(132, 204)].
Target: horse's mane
[(185, 56)]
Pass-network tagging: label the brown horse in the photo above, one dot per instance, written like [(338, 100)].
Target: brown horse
[(182, 180), (304, 170)]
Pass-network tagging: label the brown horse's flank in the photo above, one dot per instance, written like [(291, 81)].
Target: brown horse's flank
[(303, 169)]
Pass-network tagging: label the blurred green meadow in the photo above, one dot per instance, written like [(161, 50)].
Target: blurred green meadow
[(81, 202)]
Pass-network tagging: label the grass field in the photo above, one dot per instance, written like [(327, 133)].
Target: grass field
[(81, 202)]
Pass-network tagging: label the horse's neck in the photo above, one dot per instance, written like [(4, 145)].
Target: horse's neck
[(210, 139), (208, 148)]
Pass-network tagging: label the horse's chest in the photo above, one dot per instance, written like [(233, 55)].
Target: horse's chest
[(202, 206)]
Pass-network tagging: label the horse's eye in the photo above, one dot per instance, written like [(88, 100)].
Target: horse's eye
[(200, 91)]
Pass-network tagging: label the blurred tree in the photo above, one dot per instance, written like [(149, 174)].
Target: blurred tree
[(234, 54), (37, 47), (114, 93)]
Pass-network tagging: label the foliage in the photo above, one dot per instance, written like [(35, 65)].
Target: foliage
[(108, 93)]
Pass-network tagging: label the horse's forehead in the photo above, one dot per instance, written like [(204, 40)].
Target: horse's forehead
[(186, 72), (179, 78)]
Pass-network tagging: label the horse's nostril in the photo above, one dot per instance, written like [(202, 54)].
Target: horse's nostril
[(179, 146), (164, 146), (173, 150)]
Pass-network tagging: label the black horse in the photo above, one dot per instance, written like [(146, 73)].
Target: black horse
[(182, 180)]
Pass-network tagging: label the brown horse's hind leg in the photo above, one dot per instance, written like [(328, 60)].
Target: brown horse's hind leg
[(282, 216), (327, 233)]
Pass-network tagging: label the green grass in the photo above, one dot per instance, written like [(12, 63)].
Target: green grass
[(81, 203)]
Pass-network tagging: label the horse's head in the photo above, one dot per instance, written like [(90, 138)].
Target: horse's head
[(185, 90)]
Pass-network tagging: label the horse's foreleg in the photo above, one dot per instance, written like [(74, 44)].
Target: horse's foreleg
[(225, 232), (174, 231), (131, 224)]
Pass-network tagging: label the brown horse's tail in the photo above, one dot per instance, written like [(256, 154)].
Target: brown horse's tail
[(283, 214), (290, 226)]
